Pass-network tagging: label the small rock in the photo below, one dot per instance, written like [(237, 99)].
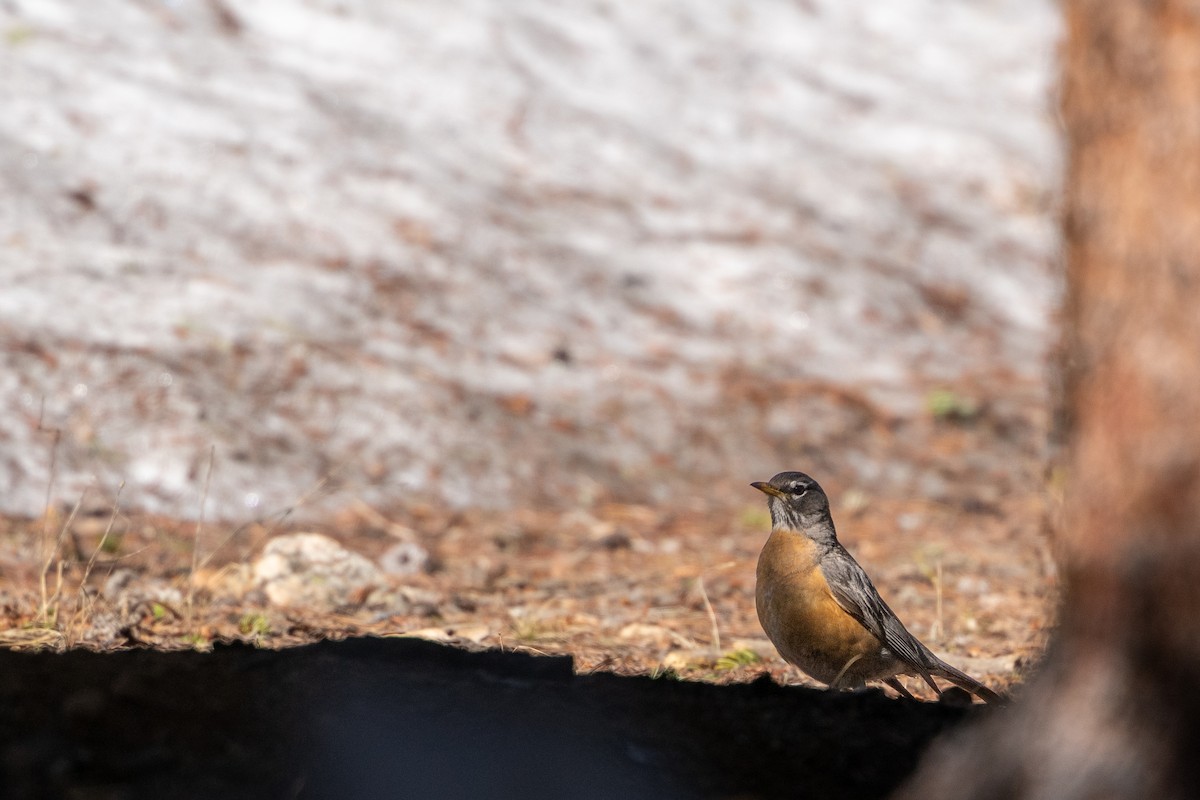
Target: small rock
[(404, 558), (313, 571)]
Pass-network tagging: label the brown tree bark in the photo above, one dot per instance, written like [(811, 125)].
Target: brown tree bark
[(1115, 712)]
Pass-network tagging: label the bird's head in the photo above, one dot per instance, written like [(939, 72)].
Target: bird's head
[(796, 500)]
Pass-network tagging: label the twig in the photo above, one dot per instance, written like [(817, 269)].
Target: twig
[(80, 595), (191, 593), (304, 498), (939, 631), (44, 615), (283, 515), (56, 436), (712, 616)]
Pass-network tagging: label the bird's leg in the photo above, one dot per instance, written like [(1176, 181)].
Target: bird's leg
[(895, 683), (834, 683)]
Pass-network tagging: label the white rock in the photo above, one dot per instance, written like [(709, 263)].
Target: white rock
[(313, 571)]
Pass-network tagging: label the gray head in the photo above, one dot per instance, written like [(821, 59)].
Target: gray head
[(796, 501)]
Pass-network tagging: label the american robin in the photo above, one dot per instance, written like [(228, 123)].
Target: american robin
[(820, 609)]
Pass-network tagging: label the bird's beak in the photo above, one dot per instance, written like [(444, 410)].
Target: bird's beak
[(767, 488)]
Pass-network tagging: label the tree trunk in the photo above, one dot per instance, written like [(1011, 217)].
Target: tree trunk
[(1115, 712)]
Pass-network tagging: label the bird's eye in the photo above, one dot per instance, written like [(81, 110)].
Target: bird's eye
[(799, 490)]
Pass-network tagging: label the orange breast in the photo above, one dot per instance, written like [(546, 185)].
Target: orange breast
[(804, 622)]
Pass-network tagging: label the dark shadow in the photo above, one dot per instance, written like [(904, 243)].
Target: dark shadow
[(376, 718)]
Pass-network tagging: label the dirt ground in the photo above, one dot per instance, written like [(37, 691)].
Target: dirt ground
[(622, 588)]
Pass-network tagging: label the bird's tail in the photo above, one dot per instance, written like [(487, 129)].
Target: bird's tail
[(962, 680)]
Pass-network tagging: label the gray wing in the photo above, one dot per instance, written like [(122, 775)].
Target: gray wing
[(859, 598)]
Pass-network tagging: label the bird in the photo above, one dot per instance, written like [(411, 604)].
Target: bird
[(820, 609)]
